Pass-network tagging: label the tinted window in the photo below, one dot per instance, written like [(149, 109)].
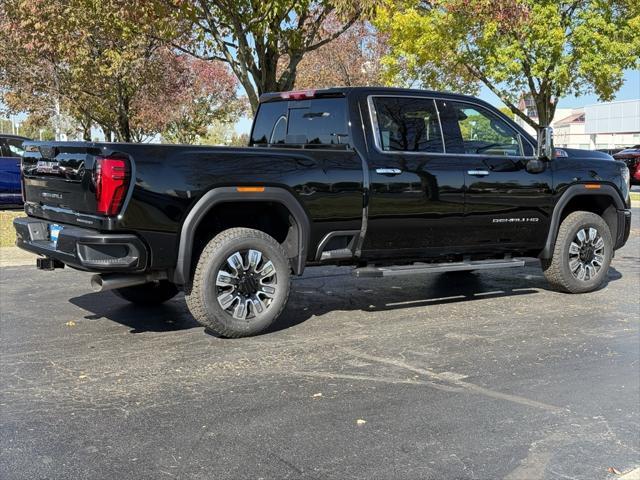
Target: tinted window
[(322, 122), (473, 130), (14, 146), (266, 119), (408, 125), (319, 122), (279, 133)]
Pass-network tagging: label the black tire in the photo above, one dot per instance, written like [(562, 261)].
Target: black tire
[(206, 296), (153, 293), (558, 270)]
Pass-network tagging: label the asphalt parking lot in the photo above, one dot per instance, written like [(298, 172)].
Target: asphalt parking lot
[(432, 377)]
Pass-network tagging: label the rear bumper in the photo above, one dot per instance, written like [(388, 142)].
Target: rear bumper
[(82, 248), (624, 228)]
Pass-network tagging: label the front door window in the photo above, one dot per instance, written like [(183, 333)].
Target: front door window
[(472, 130)]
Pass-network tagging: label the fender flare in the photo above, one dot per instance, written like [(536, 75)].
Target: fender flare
[(219, 195), (569, 193)]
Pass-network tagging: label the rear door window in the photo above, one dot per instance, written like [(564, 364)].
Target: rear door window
[(407, 124)]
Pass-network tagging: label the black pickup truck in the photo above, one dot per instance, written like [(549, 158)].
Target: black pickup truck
[(390, 181)]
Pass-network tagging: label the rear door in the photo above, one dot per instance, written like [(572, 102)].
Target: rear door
[(416, 205), (505, 205)]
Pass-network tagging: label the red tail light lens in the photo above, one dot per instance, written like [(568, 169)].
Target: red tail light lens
[(298, 94), (111, 179)]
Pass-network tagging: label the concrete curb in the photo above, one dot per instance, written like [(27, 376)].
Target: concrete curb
[(632, 475), (16, 257)]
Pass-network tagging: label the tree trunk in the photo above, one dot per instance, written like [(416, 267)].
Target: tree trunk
[(86, 123), (546, 108), (107, 133)]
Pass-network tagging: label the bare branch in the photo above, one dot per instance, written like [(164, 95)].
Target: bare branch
[(335, 35)]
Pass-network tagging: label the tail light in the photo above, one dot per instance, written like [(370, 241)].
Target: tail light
[(298, 94), (111, 178)]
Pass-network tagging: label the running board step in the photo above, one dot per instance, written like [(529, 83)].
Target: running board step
[(417, 268), (336, 254)]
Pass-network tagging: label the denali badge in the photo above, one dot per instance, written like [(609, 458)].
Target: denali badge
[(56, 196), (44, 166), (516, 220)]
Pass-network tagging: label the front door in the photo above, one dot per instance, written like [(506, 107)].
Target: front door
[(416, 203), (505, 205)]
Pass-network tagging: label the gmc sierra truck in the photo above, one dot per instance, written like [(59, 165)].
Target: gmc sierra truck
[(390, 181)]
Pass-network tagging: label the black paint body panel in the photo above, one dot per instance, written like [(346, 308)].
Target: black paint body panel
[(432, 209)]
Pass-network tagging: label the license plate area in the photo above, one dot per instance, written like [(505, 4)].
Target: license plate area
[(54, 233)]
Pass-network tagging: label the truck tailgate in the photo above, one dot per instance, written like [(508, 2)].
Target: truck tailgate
[(77, 183)]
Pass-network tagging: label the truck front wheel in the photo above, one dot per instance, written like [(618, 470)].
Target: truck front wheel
[(241, 283), (582, 254)]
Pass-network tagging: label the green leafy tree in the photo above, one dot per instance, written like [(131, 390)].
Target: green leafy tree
[(5, 125), (542, 48), (76, 56), (218, 133), (262, 41), (37, 128), (87, 60)]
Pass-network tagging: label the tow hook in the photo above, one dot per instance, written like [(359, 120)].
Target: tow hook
[(46, 263)]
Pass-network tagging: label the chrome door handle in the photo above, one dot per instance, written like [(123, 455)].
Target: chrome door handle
[(478, 173), (388, 171)]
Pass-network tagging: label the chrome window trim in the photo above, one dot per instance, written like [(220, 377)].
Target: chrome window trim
[(373, 116)]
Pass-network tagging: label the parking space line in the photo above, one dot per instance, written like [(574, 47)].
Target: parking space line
[(367, 378), (449, 378)]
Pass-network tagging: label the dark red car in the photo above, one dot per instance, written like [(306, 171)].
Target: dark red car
[(631, 156)]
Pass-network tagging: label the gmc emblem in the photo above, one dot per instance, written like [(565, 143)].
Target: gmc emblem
[(44, 166)]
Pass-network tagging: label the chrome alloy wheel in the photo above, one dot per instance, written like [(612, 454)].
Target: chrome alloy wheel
[(246, 284), (586, 254)]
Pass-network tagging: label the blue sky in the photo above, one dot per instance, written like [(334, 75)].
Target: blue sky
[(629, 91)]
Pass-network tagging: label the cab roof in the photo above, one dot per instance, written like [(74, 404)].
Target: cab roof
[(346, 91)]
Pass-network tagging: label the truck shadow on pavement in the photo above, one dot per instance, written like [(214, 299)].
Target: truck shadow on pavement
[(389, 294), (171, 316), (318, 293)]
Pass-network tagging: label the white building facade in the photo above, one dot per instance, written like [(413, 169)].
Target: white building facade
[(602, 126)]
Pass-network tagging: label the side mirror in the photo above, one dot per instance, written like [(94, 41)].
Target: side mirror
[(545, 143), (535, 165)]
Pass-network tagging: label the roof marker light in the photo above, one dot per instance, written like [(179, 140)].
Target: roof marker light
[(249, 189), (298, 94)]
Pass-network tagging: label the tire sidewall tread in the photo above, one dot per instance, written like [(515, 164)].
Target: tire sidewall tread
[(200, 295), (556, 269)]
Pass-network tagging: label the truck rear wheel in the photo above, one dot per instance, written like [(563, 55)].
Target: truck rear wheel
[(241, 283), (582, 254), (153, 293)]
